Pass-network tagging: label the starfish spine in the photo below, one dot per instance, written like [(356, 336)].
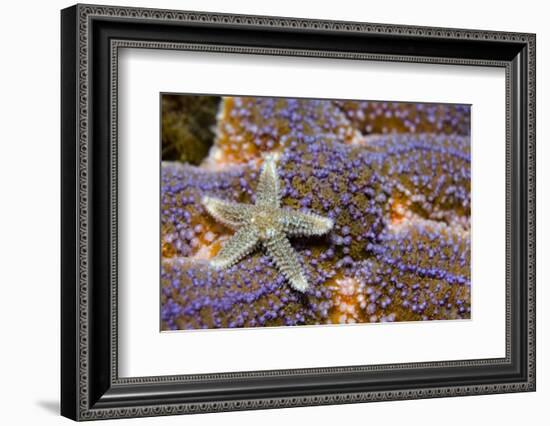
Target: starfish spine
[(232, 215), (241, 244), (286, 259)]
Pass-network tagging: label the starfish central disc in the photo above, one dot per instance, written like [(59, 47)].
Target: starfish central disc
[(266, 223)]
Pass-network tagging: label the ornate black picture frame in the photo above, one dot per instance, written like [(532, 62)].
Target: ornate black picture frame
[(90, 38)]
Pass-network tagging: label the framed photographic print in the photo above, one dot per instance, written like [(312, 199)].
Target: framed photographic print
[(263, 212)]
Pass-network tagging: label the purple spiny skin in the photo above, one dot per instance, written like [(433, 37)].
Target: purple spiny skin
[(251, 293), (389, 117), (415, 271), (207, 301), (275, 124), (432, 171), (417, 285)]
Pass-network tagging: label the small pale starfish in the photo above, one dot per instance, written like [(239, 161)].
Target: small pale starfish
[(268, 223)]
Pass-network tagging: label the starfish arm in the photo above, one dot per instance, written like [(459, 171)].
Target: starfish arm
[(231, 214), (286, 258), (241, 244), (297, 223), (268, 190)]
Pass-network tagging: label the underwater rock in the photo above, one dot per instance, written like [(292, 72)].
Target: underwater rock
[(187, 127)]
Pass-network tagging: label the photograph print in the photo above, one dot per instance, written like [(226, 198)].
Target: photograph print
[(311, 212)]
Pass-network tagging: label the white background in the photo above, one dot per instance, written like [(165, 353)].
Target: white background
[(29, 229), (140, 343)]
